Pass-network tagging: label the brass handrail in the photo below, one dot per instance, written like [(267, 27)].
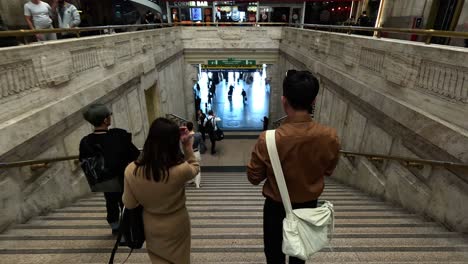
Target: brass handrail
[(78, 30), (349, 29), (409, 161), (429, 33), (43, 163)]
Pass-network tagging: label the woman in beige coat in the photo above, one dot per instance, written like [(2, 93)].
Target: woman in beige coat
[(156, 181)]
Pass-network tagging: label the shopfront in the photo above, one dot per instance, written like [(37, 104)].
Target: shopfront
[(190, 11)]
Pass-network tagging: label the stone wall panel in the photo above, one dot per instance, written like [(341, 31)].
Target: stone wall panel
[(327, 107), (120, 116), (371, 179), (353, 131), (404, 188), (71, 142), (400, 69), (338, 117)]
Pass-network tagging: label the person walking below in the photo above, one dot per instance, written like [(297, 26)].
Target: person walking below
[(244, 96), (211, 128), (231, 90), (117, 149), (156, 181), (296, 138), (201, 121), (67, 16), (38, 15), (265, 121), (197, 142)]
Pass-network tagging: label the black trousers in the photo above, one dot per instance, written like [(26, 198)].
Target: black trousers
[(273, 215), (201, 129), (213, 142), (113, 205)]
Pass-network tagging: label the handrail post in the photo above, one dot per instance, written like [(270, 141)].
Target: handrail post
[(428, 39)]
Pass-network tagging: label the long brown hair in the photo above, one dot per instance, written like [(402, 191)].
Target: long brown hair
[(161, 150)]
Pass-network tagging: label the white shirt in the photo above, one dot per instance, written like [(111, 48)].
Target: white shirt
[(209, 118), (40, 14)]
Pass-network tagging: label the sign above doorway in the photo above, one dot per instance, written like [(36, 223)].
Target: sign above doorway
[(232, 62)]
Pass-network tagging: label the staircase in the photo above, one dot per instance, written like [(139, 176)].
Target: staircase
[(226, 216)]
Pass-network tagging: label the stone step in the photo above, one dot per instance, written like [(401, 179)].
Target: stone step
[(108, 242), (227, 223), (224, 255)]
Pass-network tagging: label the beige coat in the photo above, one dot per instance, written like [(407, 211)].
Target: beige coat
[(166, 220)]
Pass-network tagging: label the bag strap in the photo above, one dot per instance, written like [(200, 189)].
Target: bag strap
[(117, 243), (114, 250), (278, 171)]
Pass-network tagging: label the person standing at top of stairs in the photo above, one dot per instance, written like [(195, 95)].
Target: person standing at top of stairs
[(307, 150)]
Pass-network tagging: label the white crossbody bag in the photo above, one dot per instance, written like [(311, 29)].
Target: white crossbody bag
[(305, 231)]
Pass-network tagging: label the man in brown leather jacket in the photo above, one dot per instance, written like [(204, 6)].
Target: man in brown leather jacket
[(308, 151)]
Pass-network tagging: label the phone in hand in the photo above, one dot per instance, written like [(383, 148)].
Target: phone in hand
[(183, 130)]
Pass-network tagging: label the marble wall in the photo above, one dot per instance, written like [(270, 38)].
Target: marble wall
[(45, 86), (395, 98), (383, 96)]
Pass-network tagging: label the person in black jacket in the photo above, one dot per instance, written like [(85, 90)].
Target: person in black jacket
[(116, 146)]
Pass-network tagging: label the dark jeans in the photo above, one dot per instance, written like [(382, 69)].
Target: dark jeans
[(213, 142), (113, 205), (273, 215), (202, 132)]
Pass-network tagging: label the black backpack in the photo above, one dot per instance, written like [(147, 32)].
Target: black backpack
[(209, 127), (94, 167)]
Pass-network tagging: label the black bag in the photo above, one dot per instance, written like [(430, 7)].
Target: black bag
[(219, 134), (202, 148), (132, 230), (209, 127), (94, 167)]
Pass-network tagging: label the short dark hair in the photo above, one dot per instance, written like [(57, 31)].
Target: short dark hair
[(189, 126), (300, 88), (210, 112), (96, 114)]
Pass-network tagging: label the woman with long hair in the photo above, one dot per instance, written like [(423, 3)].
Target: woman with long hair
[(157, 182)]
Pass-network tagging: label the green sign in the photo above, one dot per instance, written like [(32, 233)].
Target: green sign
[(231, 62)]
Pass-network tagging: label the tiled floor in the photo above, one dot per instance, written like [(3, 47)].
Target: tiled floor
[(235, 114)]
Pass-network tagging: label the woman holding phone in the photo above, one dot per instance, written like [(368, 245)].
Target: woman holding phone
[(157, 182)]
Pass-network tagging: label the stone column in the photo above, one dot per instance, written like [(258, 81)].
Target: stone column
[(276, 110), (190, 73)]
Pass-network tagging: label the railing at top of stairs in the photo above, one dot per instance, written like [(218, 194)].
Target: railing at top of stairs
[(179, 120)]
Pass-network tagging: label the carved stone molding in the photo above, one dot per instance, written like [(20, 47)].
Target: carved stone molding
[(84, 59), (17, 77), (447, 80), (372, 59)]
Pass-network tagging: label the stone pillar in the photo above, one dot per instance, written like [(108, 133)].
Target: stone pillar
[(276, 110), (190, 73)]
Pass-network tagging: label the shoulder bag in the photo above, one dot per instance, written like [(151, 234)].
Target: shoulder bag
[(305, 231), (131, 229)]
